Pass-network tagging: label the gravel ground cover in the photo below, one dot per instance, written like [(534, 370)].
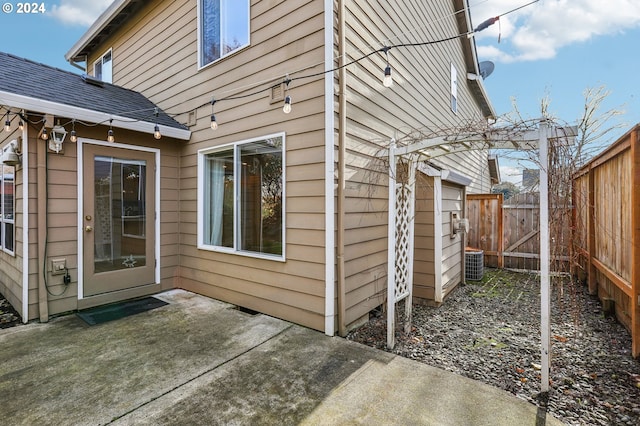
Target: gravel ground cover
[(9, 317), (489, 330)]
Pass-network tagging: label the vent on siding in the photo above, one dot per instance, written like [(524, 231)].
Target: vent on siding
[(277, 93), (192, 118)]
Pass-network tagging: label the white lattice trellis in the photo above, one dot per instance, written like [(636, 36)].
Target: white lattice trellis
[(401, 243), (400, 252)]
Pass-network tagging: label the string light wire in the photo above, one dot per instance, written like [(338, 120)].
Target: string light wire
[(278, 81)]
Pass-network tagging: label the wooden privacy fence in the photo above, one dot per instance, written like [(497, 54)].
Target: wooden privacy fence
[(607, 229), (509, 231)]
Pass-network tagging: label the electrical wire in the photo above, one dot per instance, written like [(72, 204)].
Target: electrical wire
[(485, 24)]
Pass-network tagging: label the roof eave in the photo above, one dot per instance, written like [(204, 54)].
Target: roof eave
[(73, 55), (471, 59), (82, 114)]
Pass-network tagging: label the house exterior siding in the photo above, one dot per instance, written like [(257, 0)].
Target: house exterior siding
[(11, 271), (418, 100), (155, 53)]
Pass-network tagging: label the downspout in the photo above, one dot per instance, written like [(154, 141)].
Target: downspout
[(43, 304), (25, 224), (329, 166), (342, 137)]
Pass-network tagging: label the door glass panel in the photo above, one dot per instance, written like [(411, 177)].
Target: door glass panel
[(120, 214)]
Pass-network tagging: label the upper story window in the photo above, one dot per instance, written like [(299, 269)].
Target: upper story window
[(241, 198), (102, 68), (454, 89), (224, 28), (7, 208)]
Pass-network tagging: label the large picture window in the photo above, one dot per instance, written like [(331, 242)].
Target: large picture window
[(241, 198), (7, 208), (224, 28)]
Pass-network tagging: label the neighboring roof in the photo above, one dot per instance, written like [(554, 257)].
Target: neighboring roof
[(41, 88), (471, 59), (106, 24)]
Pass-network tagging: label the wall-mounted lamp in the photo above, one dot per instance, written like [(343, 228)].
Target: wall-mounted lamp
[(58, 133), (11, 156)]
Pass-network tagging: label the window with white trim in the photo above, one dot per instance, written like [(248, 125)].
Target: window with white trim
[(7, 208), (454, 89), (102, 68), (223, 28), (241, 197)]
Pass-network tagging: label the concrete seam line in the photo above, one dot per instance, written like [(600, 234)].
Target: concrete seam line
[(200, 375)]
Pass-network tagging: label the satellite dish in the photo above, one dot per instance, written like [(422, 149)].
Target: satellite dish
[(486, 68)]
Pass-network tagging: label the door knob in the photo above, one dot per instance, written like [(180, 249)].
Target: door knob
[(88, 228)]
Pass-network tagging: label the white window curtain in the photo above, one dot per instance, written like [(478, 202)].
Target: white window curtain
[(215, 200)]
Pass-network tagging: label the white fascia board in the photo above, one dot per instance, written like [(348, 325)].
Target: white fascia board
[(446, 175), (456, 177), (100, 23), (82, 114)]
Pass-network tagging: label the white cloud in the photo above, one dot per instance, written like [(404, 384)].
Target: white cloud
[(539, 30), (79, 12), (511, 174)]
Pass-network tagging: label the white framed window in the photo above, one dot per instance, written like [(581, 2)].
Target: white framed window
[(7, 209), (223, 28), (241, 197), (454, 89), (103, 69)]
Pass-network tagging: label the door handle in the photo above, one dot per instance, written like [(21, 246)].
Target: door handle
[(88, 228)]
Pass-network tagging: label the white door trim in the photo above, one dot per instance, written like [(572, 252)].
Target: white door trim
[(80, 168)]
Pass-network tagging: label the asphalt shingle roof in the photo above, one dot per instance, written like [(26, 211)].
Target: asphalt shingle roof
[(39, 81)]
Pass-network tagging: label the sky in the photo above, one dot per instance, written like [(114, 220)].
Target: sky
[(552, 48)]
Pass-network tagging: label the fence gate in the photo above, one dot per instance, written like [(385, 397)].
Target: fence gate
[(509, 231)]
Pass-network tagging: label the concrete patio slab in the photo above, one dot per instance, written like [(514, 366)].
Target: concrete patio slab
[(200, 361)]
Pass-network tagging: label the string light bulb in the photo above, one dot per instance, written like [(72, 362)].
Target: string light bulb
[(73, 137), (7, 124), (287, 105), (20, 125), (110, 137), (156, 132), (44, 134), (214, 123), (387, 81)]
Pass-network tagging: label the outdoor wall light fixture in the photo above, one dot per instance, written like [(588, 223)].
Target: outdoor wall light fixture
[(12, 156), (58, 134)]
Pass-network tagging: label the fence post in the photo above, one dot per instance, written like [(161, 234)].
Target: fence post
[(545, 309)]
